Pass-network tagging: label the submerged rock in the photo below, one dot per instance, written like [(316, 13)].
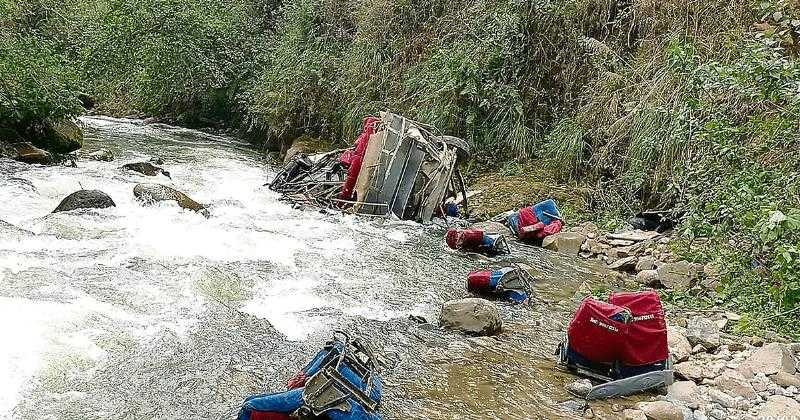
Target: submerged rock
[(103, 155), (472, 316), (153, 193), (146, 168), (7, 230), (574, 406), (85, 199)]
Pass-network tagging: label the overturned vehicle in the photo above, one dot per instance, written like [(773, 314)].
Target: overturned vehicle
[(397, 167)]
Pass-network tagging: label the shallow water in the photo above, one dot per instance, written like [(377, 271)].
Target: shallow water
[(154, 312)]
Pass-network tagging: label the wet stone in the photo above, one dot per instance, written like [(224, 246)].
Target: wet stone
[(471, 316), (579, 388)]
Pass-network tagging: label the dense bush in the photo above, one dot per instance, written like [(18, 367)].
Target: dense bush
[(37, 79), (646, 103)]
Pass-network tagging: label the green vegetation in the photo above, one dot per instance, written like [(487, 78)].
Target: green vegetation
[(632, 103)]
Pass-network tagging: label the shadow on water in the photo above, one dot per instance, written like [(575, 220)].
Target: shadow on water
[(145, 313)]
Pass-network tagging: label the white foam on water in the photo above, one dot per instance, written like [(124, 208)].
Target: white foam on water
[(247, 224), (397, 235), (26, 330), (287, 305)]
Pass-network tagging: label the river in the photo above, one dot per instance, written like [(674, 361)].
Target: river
[(154, 312)]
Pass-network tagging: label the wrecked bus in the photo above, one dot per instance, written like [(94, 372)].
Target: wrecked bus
[(396, 168)]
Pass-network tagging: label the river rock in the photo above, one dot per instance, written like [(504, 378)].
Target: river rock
[(678, 275), (28, 153), (679, 346), (660, 410), (779, 407), (648, 278), (493, 228), (62, 136), (786, 379), (734, 383), (624, 264), (152, 193), (701, 330), (645, 263), (574, 406), (146, 168), (103, 155), (579, 388), (85, 199), (689, 370), (634, 235), (631, 414), (473, 316), (684, 391), (771, 359), (564, 242)]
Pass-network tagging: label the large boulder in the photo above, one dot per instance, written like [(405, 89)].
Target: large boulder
[(564, 242), (471, 316), (771, 359), (153, 193), (63, 136), (678, 275), (146, 168), (85, 199), (700, 330)]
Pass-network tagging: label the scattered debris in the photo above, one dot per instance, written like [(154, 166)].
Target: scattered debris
[(340, 382), (622, 343), (476, 240), (397, 167), (534, 223), (510, 283)]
